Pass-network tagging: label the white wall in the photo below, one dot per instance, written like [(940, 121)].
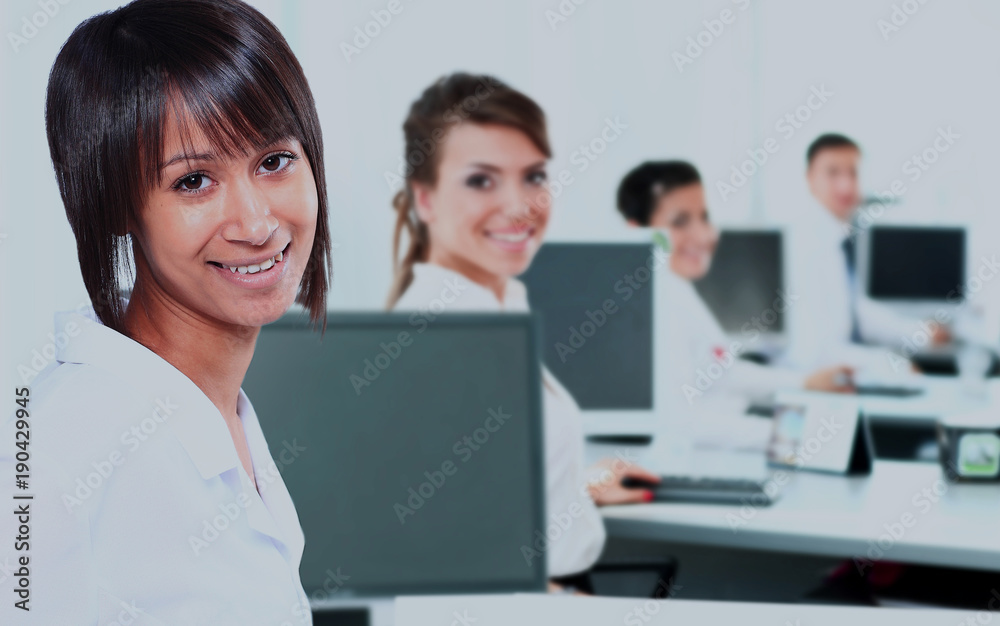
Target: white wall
[(608, 59)]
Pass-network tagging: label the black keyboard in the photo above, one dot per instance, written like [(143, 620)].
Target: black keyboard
[(703, 490), (888, 391)]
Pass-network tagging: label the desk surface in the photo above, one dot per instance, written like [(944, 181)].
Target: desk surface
[(942, 396), (903, 512), (529, 610)]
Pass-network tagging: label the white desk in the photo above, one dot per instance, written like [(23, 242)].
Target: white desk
[(829, 515), (531, 610), (944, 395)]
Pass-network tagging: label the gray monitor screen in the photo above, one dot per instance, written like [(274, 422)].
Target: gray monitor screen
[(449, 410), (596, 304), (745, 279), (912, 263)]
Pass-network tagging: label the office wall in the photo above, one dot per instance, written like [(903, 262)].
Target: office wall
[(606, 60)]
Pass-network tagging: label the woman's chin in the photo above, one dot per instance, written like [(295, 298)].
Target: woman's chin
[(691, 271), (259, 314), (516, 267)]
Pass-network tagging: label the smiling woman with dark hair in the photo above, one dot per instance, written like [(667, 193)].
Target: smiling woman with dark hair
[(187, 147)]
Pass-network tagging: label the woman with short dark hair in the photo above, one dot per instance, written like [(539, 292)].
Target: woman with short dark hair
[(187, 147), (669, 196)]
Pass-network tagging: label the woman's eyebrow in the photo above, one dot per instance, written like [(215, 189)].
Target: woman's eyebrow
[(183, 156), (484, 166)]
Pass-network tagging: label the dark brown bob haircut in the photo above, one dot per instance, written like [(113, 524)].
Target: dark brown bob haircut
[(111, 89)]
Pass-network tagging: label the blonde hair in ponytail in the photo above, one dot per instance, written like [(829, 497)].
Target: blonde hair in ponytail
[(454, 99), (417, 248)]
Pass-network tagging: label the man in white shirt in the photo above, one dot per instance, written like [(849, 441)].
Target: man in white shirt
[(833, 321)]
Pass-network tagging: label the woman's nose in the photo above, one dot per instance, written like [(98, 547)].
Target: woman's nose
[(248, 216)]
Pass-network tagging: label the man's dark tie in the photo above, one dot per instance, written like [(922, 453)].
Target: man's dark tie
[(849, 258)]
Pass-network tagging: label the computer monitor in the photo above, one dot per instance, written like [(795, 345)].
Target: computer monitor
[(422, 470), (596, 305), (745, 279), (914, 264)]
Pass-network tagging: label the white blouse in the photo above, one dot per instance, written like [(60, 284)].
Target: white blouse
[(578, 543), (142, 512), (703, 362)]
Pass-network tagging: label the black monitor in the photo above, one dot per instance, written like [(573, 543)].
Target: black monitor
[(745, 278), (422, 470), (596, 304), (916, 263)]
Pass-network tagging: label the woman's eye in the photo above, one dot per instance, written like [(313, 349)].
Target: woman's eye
[(193, 182), (275, 163), (680, 222), (479, 181), (537, 178)]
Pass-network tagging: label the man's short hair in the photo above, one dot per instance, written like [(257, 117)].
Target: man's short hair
[(827, 142)]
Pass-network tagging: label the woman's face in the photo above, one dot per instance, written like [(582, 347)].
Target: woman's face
[(683, 213), (227, 238), (487, 213)]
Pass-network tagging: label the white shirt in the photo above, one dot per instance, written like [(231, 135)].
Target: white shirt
[(703, 362), (577, 547), (142, 512), (821, 317)]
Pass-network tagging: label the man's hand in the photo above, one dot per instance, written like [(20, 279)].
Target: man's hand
[(838, 379)]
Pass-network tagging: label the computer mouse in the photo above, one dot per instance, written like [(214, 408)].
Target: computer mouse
[(630, 482)]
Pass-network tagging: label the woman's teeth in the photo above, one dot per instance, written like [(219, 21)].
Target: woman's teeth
[(260, 267), (511, 237)]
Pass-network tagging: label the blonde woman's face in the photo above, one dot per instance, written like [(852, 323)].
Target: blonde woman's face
[(487, 213)]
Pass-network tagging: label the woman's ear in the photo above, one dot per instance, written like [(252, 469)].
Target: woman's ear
[(423, 202), (632, 223)]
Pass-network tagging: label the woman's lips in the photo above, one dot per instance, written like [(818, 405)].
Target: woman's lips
[(256, 275), (511, 240)]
